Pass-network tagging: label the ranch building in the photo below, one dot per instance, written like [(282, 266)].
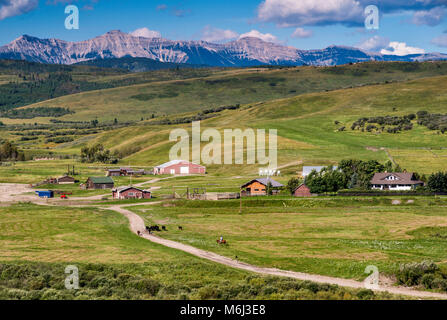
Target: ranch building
[(114, 172), (123, 193), (258, 187), (125, 172), (66, 180), (302, 191), (398, 181), (179, 167), (99, 183)]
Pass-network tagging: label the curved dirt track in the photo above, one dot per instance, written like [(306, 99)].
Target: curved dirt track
[(137, 224)]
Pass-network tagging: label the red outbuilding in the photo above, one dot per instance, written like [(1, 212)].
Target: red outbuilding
[(179, 167), (302, 191), (123, 193)]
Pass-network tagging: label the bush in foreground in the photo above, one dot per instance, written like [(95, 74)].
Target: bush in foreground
[(45, 281), (426, 274)]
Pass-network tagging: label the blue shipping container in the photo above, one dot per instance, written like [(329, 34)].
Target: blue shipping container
[(45, 194)]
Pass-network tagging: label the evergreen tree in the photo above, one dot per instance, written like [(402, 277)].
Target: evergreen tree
[(269, 189), (437, 182), (292, 185), (354, 181)]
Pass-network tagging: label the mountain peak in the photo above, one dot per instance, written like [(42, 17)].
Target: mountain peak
[(26, 38), (115, 32), (248, 38)]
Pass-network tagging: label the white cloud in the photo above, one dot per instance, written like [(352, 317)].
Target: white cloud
[(384, 46), (297, 13), (375, 44), (401, 49), (145, 33), (302, 33), (11, 8), (431, 17), (216, 35), (440, 41), (287, 13), (268, 37)]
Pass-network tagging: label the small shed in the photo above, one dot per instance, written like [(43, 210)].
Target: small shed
[(99, 183), (122, 193), (45, 194), (139, 172), (66, 180), (114, 172), (302, 191)]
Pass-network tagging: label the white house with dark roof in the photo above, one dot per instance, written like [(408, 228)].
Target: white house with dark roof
[(398, 181)]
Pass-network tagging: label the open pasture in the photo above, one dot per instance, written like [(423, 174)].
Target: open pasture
[(331, 236)]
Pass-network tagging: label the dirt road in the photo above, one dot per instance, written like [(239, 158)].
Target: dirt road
[(13, 193), (137, 224)]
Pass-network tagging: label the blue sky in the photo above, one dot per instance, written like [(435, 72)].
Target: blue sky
[(406, 26)]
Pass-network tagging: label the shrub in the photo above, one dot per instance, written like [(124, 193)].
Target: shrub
[(147, 286), (427, 280), (439, 283), (208, 293), (411, 274), (365, 294)]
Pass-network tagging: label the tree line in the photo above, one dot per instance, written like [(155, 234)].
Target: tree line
[(9, 152), (30, 113), (396, 124), (97, 153)]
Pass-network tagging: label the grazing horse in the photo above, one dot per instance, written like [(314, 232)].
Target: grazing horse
[(180, 228)]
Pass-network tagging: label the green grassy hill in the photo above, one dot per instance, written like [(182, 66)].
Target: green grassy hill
[(228, 87), (307, 130), (23, 83), (308, 124)]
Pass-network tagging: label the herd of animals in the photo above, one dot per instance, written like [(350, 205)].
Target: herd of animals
[(157, 228)]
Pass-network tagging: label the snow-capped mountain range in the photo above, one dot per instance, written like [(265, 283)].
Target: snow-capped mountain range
[(243, 52)]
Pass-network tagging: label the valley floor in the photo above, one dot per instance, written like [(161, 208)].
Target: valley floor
[(306, 226)]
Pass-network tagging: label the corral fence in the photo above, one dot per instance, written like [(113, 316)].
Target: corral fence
[(388, 193), (201, 194)]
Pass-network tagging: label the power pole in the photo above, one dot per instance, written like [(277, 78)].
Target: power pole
[(240, 200)]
